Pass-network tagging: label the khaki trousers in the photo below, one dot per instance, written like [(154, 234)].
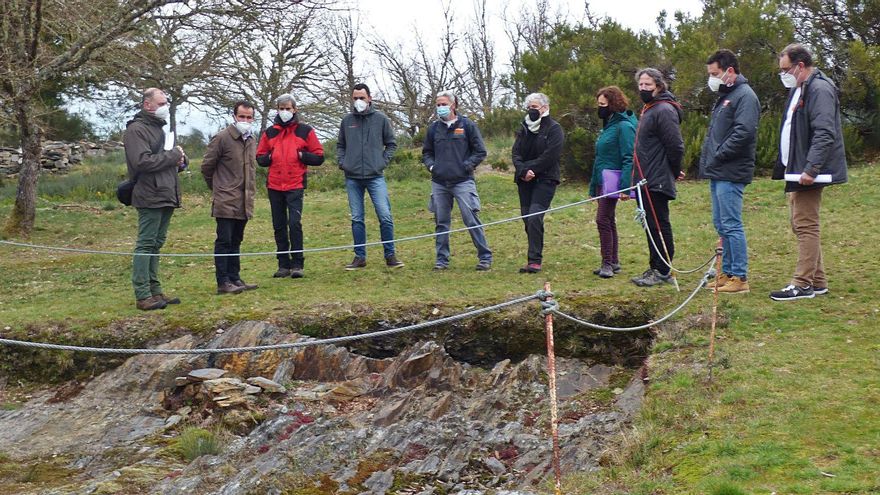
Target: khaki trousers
[(804, 206)]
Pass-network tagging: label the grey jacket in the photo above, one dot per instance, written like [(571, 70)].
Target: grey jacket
[(365, 145), (156, 169), (729, 148), (816, 134), (659, 146)]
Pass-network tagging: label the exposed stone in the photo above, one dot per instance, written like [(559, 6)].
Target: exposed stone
[(267, 385), (380, 482), (206, 374), (494, 465)]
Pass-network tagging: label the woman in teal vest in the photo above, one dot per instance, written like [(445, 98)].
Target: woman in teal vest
[(612, 170)]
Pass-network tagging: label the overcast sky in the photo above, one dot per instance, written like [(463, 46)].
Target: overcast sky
[(398, 20)]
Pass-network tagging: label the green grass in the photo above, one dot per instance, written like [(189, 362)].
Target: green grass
[(196, 442), (795, 394)]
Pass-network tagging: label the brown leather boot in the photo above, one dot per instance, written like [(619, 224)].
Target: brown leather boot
[(244, 285), (151, 303), (229, 288), (168, 300)]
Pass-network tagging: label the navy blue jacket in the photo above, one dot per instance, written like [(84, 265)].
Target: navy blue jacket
[(451, 153), (729, 149)]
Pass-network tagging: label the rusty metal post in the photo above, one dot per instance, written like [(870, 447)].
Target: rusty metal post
[(551, 373)]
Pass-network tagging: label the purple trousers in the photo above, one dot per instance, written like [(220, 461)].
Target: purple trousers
[(607, 227)]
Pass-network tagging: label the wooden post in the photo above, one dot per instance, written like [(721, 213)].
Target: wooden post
[(551, 373)]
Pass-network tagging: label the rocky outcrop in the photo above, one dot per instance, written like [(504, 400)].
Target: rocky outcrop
[(330, 421), (57, 156)]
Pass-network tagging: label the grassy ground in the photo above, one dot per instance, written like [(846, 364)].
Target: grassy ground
[(793, 407)]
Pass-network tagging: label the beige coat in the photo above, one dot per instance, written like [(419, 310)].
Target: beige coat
[(229, 168)]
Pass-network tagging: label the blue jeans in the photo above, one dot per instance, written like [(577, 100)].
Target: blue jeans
[(465, 194), (379, 196), (727, 203)]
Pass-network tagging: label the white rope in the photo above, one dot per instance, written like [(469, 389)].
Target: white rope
[(314, 250)]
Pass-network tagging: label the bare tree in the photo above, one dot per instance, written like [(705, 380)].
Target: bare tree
[(483, 80), (530, 31)]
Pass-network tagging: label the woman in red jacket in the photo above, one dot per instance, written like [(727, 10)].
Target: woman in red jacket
[(287, 147)]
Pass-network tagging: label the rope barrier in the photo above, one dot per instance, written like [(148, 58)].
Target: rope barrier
[(318, 249), (553, 307), (291, 345)]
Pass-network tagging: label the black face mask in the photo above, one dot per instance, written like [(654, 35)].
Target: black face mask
[(646, 96), (534, 114), (604, 112)]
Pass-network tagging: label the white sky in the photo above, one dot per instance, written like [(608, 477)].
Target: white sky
[(397, 20)]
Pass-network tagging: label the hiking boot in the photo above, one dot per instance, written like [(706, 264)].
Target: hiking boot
[(483, 266), (244, 286), (151, 303), (651, 278), (229, 288), (615, 268), (282, 273), (297, 273), (356, 264), (530, 268), (605, 271), (176, 300), (393, 262), (792, 292), (820, 291), (734, 285), (721, 281)]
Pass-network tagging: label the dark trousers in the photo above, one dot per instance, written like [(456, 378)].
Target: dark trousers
[(535, 196), (287, 223), (607, 227), (230, 233), (661, 208)]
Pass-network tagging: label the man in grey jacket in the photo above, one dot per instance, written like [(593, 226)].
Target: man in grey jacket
[(728, 161), (364, 148), (811, 156), (156, 194)]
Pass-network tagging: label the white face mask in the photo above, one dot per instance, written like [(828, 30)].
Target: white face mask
[(360, 105), (788, 80), (244, 127), (715, 83), (162, 112), (285, 115)]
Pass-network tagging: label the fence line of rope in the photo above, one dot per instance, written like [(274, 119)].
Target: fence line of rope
[(320, 249), (553, 307), (541, 294), (641, 217)]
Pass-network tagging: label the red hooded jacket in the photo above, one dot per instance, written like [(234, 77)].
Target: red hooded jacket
[(279, 149)]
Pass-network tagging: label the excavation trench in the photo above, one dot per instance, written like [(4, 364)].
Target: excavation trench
[(462, 406)]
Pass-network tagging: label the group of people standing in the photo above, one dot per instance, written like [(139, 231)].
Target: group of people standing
[(628, 150)]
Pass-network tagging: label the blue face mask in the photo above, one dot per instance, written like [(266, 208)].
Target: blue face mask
[(443, 111)]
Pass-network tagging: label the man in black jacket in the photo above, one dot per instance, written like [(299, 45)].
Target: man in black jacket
[(364, 148), (811, 156), (156, 194), (657, 158), (536, 153), (728, 161)]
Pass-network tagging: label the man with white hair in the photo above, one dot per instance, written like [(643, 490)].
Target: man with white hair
[(287, 148), (452, 149)]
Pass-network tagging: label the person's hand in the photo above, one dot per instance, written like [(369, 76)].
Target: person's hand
[(528, 176), (806, 179), (681, 175), (623, 196)]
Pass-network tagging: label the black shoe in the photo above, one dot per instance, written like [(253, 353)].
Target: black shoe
[(483, 266), (615, 268), (820, 291), (229, 288), (282, 273), (393, 262), (792, 292), (297, 273), (651, 278), (440, 266), (605, 271), (531, 268), (356, 264), (244, 286)]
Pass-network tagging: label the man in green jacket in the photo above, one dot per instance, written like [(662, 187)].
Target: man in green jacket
[(229, 168), (156, 194)]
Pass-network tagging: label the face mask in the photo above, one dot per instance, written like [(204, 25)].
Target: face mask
[(162, 112), (360, 105), (244, 127), (443, 111), (534, 114), (788, 80), (714, 83), (604, 112), (285, 115), (646, 95)]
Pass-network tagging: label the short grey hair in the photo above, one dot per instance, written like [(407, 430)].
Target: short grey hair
[(541, 98), (654, 74), (284, 99), (448, 94), (149, 94)]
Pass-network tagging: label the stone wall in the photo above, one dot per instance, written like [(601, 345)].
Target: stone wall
[(57, 156)]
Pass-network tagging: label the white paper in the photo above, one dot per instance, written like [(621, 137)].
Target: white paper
[(820, 179), (169, 141)]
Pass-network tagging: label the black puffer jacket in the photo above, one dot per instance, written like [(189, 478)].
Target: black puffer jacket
[(659, 145), (547, 151), (155, 168)]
